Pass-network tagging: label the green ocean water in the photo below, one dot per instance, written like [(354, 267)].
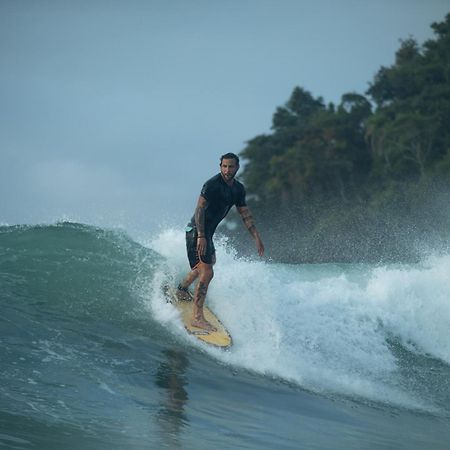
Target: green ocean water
[(324, 356)]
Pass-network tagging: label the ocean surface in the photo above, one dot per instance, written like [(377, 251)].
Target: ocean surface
[(324, 356)]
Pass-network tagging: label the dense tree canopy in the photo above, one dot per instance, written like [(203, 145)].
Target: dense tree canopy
[(359, 180)]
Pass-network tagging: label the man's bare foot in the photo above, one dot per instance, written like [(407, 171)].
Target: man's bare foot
[(203, 324)]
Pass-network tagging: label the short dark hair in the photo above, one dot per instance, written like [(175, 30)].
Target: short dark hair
[(230, 156)]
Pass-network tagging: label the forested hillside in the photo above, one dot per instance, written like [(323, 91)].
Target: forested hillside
[(367, 179)]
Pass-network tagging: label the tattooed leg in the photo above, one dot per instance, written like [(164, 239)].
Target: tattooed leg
[(200, 296), (198, 320), (182, 291)]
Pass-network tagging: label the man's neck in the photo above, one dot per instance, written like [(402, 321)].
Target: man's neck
[(230, 183)]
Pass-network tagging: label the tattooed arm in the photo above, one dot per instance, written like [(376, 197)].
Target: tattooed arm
[(200, 224), (247, 218)]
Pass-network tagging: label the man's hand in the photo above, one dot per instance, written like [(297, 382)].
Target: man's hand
[(259, 246), (201, 246), (247, 218)]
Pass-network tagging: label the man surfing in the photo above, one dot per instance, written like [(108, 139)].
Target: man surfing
[(217, 197)]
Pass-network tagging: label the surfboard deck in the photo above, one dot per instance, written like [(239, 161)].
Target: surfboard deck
[(220, 338)]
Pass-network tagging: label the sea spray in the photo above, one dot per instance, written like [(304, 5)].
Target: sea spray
[(413, 302), (326, 328)]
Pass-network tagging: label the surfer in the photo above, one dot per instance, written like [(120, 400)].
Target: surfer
[(217, 197)]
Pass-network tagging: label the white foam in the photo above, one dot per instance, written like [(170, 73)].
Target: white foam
[(323, 329), (414, 303)]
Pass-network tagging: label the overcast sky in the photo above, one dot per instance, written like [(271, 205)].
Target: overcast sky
[(114, 113)]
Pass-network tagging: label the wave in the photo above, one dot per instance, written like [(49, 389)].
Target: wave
[(373, 334), (354, 330)]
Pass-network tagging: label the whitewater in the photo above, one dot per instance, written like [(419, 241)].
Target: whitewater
[(92, 355)]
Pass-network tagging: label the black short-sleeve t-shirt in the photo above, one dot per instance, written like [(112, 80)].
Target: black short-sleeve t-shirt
[(220, 197)]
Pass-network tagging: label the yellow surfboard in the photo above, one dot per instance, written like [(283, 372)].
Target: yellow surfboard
[(220, 338)]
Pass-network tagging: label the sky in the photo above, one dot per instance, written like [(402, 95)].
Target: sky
[(114, 113)]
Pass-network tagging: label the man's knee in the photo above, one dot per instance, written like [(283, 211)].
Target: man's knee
[(207, 272)]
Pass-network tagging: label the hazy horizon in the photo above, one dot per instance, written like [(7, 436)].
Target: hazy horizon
[(115, 113)]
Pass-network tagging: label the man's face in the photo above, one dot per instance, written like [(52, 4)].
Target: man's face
[(228, 169)]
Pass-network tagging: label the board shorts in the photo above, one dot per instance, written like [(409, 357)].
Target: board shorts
[(191, 248)]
